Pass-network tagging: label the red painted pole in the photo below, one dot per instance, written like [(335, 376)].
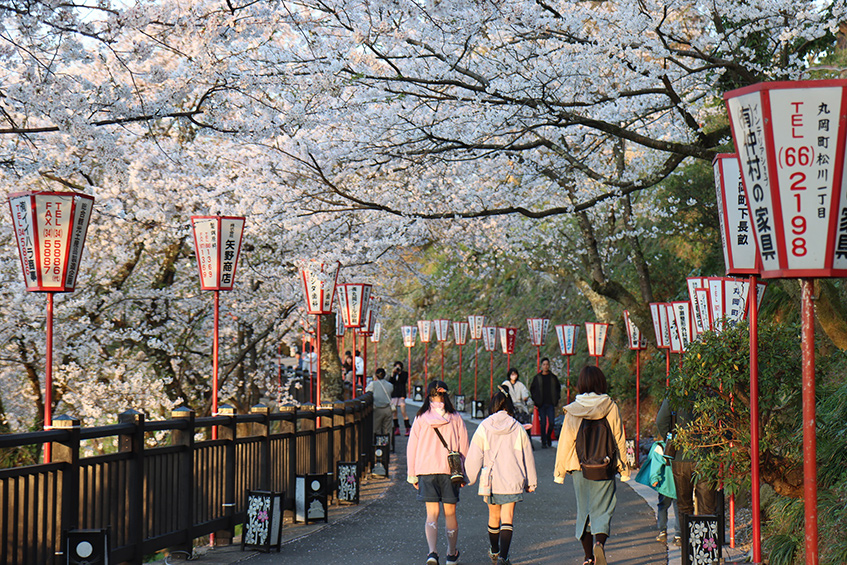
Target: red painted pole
[(460, 369), (637, 404), (355, 376), (442, 361), (537, 359), (215, 362), (48, 378), (376, 354), (568, 400), (597, 361), (810, 467), (491, 383), (365, 359), (409, 370), (475, 370), (755, 479), (667, 368), (318, 354), (426, 365)]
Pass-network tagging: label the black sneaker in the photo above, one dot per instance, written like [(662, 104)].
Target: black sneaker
[(453, 559), (432, 559), (503, 561)]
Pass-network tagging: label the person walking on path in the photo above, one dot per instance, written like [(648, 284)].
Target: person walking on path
[(400, 380), (428, 470), (595, 499), (656, 473), (381, 390), (546, 390), (519, 395), (501, 454), (684, 464)]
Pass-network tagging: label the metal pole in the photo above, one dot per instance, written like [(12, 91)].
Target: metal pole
[(318, 354), (568, 400), (217, 309), (810, 467), (48, 378), (442, 361), (755, 500), (460, 369), (667, 368), (409, 371), (637, 403)]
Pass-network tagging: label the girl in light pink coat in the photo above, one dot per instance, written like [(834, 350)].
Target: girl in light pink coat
[(428, 470), (501, 444)]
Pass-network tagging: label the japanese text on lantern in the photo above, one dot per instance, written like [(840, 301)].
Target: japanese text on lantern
[(52, 225), (26, 244), (230, 245), (805, 125)]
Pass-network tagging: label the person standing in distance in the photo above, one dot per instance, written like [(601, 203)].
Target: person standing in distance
[(382, 391), (546, 390), (400, 379)]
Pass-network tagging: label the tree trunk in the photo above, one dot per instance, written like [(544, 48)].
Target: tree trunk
[(831, 313)]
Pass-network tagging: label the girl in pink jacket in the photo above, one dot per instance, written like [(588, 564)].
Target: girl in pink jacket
[(501, 453), (428, 471)]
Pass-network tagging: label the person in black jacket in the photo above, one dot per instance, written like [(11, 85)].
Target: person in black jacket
[(684, 464), (400, 380), (546, 390)]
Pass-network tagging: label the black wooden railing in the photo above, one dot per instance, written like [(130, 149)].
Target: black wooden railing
[(163, 488)]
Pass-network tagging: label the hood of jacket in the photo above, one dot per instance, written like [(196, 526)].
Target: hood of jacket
[(500, 423), (590, 405), (433, 419)]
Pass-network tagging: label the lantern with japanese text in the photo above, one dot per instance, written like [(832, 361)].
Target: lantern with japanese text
[(595, 333), (682, 318), (508, 341), (410, 333), (217, 243), (636, 342), (698, 295), (537, 333), (367, 328), (442, 334), (460, 334), (489, 341), (673, 330), (425, 329), (354, 301), (567, 334), (50, 229), (319, 282), (661, 328)]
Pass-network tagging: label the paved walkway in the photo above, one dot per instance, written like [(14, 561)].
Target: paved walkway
[(387, 527)]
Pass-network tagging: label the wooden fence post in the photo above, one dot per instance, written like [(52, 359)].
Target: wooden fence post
[(262, 430), (306, 415), (184, 437), (133, 443), (288, 427), (228, 433)]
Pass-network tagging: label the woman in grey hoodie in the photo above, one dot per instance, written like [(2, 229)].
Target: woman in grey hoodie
[(500, 444)]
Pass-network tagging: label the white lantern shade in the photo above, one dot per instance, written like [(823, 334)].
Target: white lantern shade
[(460, 332), (339, 325), (702, 311), (319, 282), (425, 329), (354, 301), (739, 243), (790, 140), (682, 318), (409, 335), (700, 323), (217, 244), (476, 323), (660, 324), (50, 230), (537, 330), (596, 332), (675, 343), (508, 339), (567, 334), (442, 330), (489, 338), (635, 340), (374, 304), (376, 334)]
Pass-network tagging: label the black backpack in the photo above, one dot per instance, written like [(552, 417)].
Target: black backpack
[(596, 450)]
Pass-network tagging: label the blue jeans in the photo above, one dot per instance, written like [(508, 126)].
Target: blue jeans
[(546, 417), (665, 503)]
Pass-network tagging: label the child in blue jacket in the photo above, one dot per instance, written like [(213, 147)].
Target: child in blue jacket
[(656, 473)]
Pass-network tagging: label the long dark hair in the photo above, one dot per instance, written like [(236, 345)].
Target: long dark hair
[(441, 386), (591, 379), (502, 401)]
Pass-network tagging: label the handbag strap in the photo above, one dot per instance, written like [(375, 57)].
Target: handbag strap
[(441, 437)]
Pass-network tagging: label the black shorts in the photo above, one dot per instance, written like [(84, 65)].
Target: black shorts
[(437, 488)]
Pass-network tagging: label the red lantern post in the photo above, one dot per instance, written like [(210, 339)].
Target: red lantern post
[(409, 335), (596, 332), (790, 139), (50, 230), (376, 333), (537, 333), (460, 334), (637, 343), (339, 333), (489, 340), (367, 330), (567, 334), (425, 330), (354, 303), (217, 244), (476, 323), (319, 282), (442, 331)]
